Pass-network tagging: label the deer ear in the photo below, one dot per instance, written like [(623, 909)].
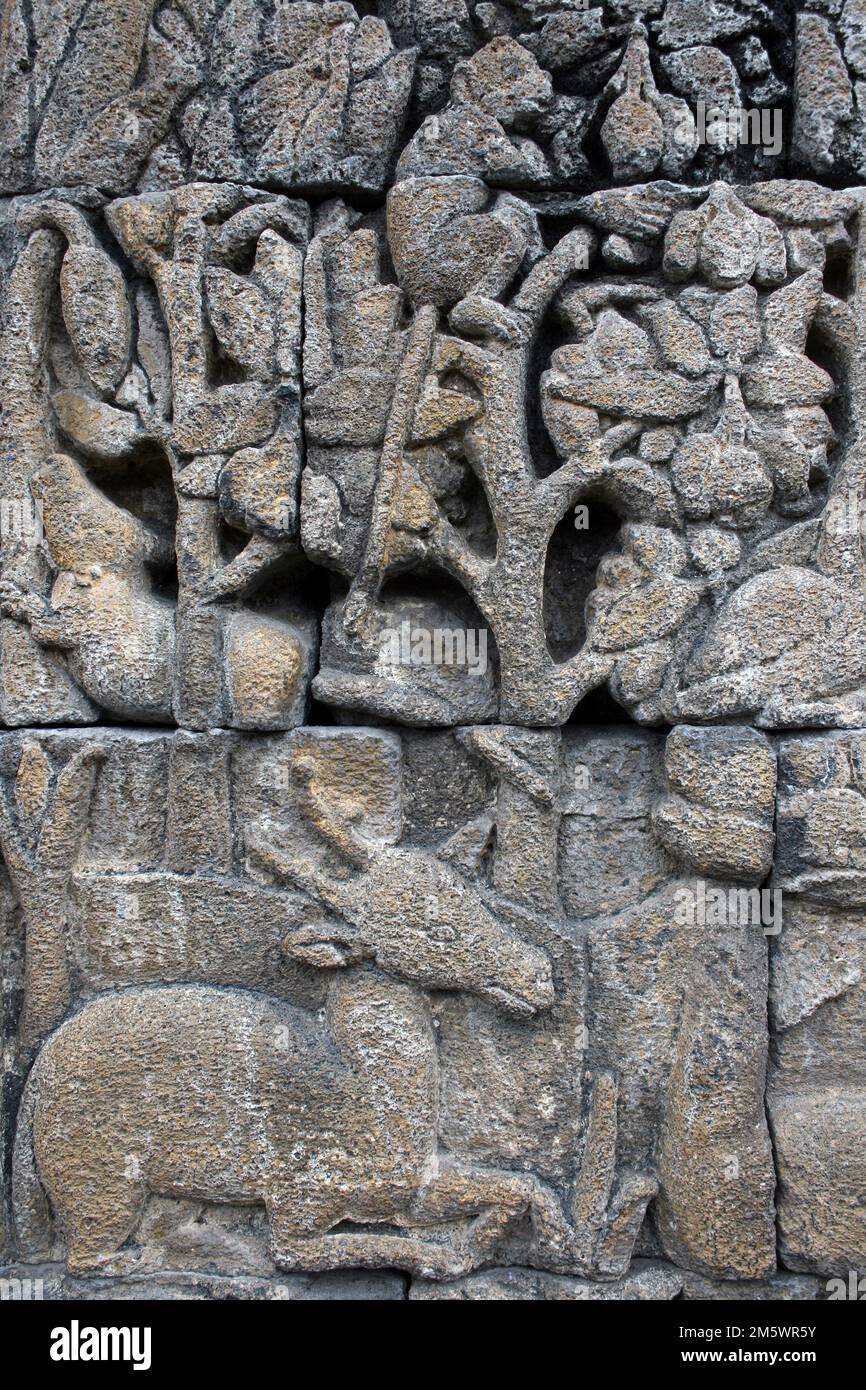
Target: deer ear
[(303, 769), (324, 946)]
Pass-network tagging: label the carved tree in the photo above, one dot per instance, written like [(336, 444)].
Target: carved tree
[(170, 382), (701, 362), (39, 837)]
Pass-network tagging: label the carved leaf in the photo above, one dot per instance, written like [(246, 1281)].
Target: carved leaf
[(96, 314), (241, 320), (649, 612), (98, 429)]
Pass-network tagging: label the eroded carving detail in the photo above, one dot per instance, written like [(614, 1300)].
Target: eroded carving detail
[(453, 368), (307, 1094), (166, 583)]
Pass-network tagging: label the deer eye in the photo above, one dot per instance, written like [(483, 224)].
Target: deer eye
[(440, 931)]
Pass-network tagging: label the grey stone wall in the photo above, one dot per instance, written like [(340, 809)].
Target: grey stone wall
[(432, 649)]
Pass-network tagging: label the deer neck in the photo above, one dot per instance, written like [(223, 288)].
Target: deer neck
[(383, 1029)]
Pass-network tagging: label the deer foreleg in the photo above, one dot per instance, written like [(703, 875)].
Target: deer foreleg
[(358, 1250), (496, 1200), (624, 1220), (493, 1200), (606, 1214)]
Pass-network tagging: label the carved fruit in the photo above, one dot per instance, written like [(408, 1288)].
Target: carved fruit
[(633, 136)]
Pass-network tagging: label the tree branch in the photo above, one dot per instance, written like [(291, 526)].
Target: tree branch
[(565, 485), (465, 565), (241, 575), (365, 586), (568, 257)]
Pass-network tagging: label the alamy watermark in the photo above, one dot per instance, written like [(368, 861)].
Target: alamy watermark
[(409, 645), (77, 1343), (13, 1290), (21, 520), (845, 514), (852, 1288), (703, 906), (723, 127)]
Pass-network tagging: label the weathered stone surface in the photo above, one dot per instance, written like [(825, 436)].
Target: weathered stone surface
[(719, 816), (819, 1137), (152, 347), (323, 96), (328, 929), (644, 1282), (684, 400), (52, 1282), (307, 95), (816, 1100), (393, 394), (780, 1288), (715, 1211), (822, 819), (158, 579)]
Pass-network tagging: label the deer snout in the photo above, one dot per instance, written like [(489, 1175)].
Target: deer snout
[(528, 990), (542, 993)]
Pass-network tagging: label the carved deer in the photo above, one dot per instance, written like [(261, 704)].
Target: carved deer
[(224, 1095), (330, 1122), (395, 895)]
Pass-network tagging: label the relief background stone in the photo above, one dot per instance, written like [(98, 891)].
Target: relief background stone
[(431, 507)]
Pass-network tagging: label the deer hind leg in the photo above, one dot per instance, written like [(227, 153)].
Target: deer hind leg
[(318, 1248), (501, 1198)]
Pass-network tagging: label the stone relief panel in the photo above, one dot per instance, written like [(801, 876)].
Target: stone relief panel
[(465, 941), (432, 648), (816, 1100), (611, 455), (323, 96), (668, 366), (148, 95)]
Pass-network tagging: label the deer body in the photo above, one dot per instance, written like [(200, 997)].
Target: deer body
[(223, 1095), (328, 1120)]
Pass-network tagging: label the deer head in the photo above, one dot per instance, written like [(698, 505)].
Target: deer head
[(418, 920)]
